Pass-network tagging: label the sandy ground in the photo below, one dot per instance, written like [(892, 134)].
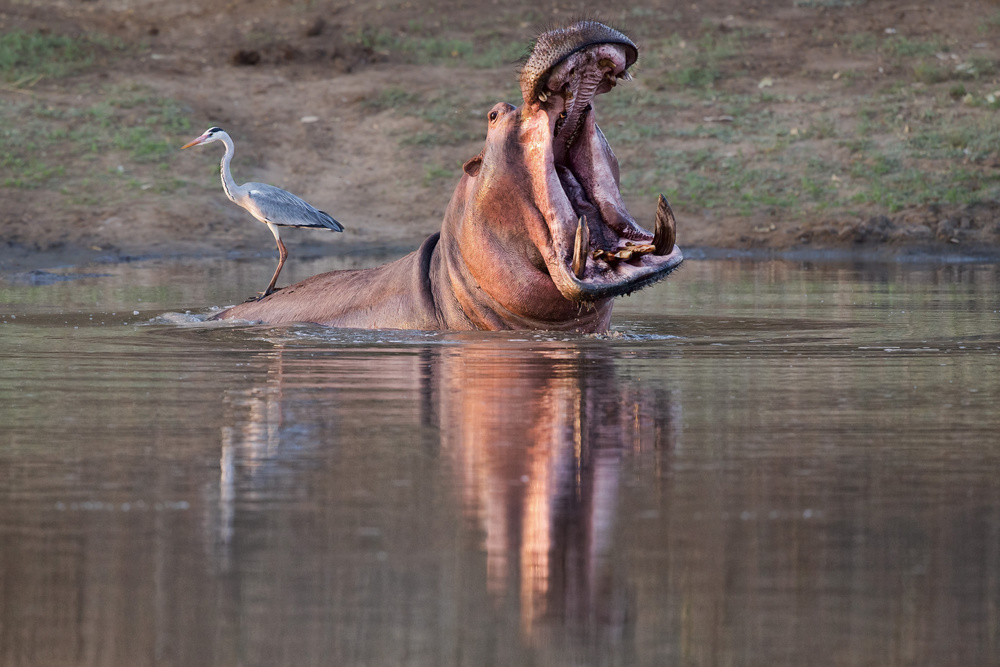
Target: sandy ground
[(323, 102)]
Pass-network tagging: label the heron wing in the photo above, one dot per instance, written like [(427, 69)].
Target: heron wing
[(278, 207)]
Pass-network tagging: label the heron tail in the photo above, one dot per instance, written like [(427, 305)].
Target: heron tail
[(330, 223)]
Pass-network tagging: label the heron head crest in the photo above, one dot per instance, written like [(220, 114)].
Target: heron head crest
[(210, 135)]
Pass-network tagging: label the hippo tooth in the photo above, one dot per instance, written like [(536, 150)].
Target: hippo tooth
[(666, 228), (625, 76), (580, 247), (542, 95)]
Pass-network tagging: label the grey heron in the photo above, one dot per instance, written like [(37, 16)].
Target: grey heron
[(272, 206)]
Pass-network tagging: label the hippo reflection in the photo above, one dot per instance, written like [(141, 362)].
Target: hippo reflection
[(544, 485), (542, 488), (536, 235)]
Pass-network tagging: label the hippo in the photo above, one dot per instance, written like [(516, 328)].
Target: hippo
[(536, 235)]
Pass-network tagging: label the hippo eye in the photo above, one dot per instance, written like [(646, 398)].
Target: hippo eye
[(493, 115)]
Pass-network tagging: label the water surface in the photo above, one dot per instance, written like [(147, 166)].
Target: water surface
[(764, 463)]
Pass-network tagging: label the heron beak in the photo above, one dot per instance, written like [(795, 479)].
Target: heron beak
[(193, 143)]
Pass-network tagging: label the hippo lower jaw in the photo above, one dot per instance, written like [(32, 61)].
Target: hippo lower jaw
[(596, 249)]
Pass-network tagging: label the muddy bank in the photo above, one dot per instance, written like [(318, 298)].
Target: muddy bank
[(774, 128)]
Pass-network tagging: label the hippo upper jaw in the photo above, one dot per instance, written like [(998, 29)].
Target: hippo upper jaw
[(595, 250)]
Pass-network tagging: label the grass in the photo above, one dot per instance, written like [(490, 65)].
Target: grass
[(448, 119), (701, 64), (928, 136), (27, 57), (58, 146), (444, 137), (434, 173), (390, 98), (900, 48), (45, 146), (902, 148), (928, 60), (491, 52)]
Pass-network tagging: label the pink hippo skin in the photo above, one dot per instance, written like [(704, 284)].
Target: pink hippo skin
[(536, 235)]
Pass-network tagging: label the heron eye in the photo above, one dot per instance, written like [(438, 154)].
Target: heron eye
[(493, 115)]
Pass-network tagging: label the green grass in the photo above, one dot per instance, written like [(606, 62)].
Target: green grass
[(443, 137), (44, 146), (701, 64), (930, 72), (898, 147), (47, 146), (862, 42), (926, 59), (976, 67), (390, 98), (27, 173), (928, 135), (893, 187), (900, 47), (701, 75), (434, 173), (448, 119), (490, 52), (27, 57)]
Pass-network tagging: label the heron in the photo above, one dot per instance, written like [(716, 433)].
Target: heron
[(271, 205)]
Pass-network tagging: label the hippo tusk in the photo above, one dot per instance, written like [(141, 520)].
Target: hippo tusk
[(580, 247), (666, 228)]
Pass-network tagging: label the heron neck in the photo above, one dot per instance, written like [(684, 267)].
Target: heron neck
[(228, 184)]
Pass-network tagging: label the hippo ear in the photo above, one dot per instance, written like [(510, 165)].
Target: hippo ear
[(472, 166)]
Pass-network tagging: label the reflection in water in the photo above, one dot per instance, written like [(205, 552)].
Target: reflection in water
[(537, 436), (539, 440), (177, 495), (256, 442)]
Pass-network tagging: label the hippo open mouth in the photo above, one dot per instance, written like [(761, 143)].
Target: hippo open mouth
[(596, 249)]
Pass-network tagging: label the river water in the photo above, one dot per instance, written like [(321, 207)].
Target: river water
[(765, 463)]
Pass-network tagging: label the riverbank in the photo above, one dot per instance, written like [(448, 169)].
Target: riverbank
[(789, 129)]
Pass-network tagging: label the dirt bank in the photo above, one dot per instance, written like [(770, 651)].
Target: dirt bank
[(791, 125)]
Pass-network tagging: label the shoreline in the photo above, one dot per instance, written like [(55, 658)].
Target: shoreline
[(15, 262)]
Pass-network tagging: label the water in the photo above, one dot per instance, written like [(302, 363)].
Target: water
[(765, 463)]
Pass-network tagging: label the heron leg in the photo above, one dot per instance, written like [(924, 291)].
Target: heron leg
[(282, 256)]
